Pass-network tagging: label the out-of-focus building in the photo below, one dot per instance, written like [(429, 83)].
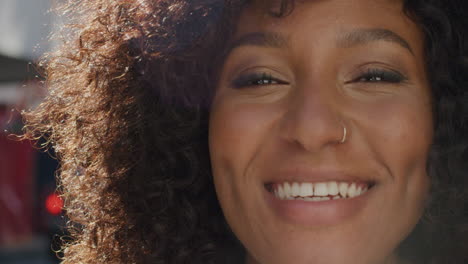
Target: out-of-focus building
[(24, 27), (26, 175), (16, 158)]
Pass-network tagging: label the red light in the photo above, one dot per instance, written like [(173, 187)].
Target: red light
[(54, 204)]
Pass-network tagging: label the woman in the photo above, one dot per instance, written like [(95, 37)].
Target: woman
[(261, 131)]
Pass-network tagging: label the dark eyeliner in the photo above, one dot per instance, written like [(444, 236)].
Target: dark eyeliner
[(255, 79), (380, 75)]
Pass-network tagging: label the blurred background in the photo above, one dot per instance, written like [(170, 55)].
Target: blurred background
[(31, 220)]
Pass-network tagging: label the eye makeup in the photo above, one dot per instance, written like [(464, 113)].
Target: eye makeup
[(255, 79), (378, 75)]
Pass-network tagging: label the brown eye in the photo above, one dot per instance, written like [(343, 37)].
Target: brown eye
[(255, 79), (378, 75)]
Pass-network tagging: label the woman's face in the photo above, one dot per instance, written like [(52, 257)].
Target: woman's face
[(290, 189)]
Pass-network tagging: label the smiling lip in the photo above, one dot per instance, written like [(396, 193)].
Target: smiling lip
[(324, 206), (322, 190), (307, 175), (317, 213)]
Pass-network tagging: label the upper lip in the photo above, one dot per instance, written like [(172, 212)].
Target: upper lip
[(318, 175)]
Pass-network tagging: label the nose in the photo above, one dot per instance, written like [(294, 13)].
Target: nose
[(313, 121)]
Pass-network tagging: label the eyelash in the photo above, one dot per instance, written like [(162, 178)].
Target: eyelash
[(378, 75), (369, 76), (256, 79)]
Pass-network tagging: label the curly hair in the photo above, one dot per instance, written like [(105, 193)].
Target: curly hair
[(127, 114)]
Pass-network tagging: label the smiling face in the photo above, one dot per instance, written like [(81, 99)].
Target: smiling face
[(290, 88)]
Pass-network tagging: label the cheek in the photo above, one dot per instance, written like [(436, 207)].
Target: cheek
[(230, 137), (235, 132), (408, 152), (406, 136), (399, 134)]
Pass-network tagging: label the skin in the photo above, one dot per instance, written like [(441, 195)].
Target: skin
[(258, 130)]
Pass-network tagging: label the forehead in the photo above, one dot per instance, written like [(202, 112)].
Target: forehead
[(324, 17)]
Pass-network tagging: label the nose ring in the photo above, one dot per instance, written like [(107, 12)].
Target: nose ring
[(344, 135)]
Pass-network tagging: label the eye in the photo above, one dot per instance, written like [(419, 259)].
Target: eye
[(379, 75), (256, 79)]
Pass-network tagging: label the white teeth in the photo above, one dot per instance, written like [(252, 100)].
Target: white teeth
[(358, 190), (306, 190), (363, 190), (343, 188), (332, 188), (352, 190), (287, 190), (320, 189), (295, 189), (280, 192)]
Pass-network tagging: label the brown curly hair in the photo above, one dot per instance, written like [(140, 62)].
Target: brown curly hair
[(129, 95)]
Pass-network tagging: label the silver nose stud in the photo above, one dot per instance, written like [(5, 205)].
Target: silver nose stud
[(344, 135)]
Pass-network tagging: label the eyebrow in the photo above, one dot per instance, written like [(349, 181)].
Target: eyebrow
[(364, 36), (266, 39), (349, 39)]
